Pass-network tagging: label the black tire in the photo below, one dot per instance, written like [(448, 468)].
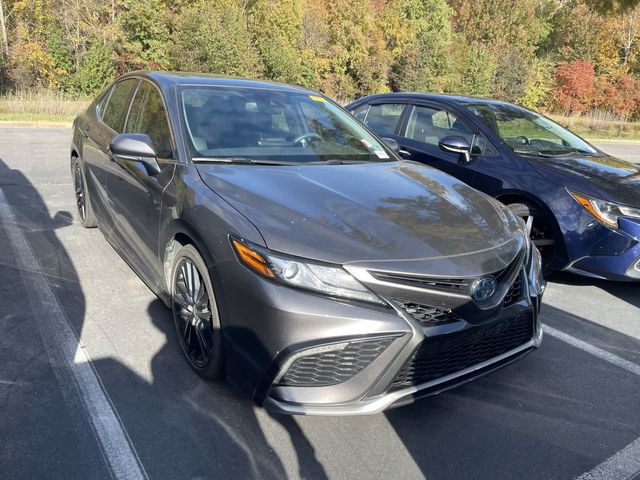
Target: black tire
[(83, 199), (541, 234), (195, 313)]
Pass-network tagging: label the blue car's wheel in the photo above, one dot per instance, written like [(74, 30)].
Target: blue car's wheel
[(540, 231)]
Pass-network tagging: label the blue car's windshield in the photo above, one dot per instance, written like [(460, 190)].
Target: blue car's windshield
[(253, 125), (526, 132)]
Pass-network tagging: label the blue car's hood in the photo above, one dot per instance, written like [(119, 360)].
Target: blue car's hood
[(399, 215), (606, 177)]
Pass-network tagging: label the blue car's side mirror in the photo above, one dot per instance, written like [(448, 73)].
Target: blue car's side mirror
[(456, 145)]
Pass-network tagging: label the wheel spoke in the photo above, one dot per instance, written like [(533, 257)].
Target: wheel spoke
[(529, 224), (192, 284), (203, 343), (179, 297), (186, 281), (183, 292), (543, 242), (203, 314)]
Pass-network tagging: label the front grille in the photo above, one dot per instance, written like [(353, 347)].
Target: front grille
[(443, 355), (333, 367), (455, 284), (427, 315), (515, 291)]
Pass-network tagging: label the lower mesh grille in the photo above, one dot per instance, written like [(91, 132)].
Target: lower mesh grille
[(428, 315), (446, 354), (333, 367)]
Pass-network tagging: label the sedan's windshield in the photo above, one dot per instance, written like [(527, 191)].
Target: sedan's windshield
[(526, 132), (258, 126)]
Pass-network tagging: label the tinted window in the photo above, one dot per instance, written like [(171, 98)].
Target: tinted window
[(430, 125), (149, 116), (383, 118), (527, 132), (273, 125), (116, 108), (361, 112)]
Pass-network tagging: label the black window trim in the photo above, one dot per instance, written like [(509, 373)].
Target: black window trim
[(489, 149), (387, 101), (110, 93), (166, 114)]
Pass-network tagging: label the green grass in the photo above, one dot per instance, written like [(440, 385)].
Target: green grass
[(35, 117), (599, 125)]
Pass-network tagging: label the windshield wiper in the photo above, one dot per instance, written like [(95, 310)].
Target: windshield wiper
[(240, 160)]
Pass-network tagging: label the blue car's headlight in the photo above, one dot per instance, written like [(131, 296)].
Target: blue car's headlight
[(322, 278), (607, 212)]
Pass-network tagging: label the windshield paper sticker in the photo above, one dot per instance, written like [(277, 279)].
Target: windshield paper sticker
[(317, 99), (381, 154)]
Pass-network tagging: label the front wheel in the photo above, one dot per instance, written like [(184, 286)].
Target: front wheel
[(540, 231), (195, 313)]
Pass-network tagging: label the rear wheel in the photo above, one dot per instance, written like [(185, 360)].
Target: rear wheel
[(195, 313), (83, 202), (540, 231)]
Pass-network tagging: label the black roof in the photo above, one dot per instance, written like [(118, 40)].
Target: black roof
[(187, 78), (442, 98)]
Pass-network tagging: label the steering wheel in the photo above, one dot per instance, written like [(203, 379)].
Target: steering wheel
[(306, 138), (523, 140)]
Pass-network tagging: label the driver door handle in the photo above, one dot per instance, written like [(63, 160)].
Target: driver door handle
[(404, 153)]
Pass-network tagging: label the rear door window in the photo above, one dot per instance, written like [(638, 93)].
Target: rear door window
[(115, 111), (382, 118)]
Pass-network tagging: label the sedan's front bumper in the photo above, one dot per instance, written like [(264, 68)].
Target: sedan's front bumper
[(307, 354), (407, 395)]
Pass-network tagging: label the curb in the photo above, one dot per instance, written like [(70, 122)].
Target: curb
[(614, 140), (34, 124)]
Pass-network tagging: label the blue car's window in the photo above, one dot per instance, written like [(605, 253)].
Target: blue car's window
[(526, 132), (382, 119), (271, 124), (430, 125)]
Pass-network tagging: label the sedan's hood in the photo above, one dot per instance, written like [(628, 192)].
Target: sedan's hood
[(606, 177), (398, 216)]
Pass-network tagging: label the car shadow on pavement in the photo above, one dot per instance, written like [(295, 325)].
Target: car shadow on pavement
[(181, 426), (556, 413), (626, 291)]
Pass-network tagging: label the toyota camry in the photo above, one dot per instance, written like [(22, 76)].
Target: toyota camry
[(301, 258)]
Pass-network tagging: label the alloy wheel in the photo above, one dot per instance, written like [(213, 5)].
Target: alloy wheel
[(80, 192), (192, 312)]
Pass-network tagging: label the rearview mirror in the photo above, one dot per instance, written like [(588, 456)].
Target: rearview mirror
[(135, 147), (456, 145)]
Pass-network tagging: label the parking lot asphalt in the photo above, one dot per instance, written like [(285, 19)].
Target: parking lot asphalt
[(135, 410)]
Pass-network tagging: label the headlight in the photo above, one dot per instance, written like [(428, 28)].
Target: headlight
[(328, 279), (607, 212)]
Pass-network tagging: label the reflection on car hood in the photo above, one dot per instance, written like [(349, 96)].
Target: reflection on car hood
[(399, 216), (606, 177)]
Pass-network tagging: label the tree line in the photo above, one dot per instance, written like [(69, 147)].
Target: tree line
[(568, 56)]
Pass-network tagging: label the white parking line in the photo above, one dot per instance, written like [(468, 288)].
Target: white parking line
[(72, 366), (624, 465), (593, 350)]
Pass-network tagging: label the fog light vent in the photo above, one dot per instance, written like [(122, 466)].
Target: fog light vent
[(322, 368)]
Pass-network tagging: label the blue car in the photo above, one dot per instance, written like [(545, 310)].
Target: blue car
[(581, 206)]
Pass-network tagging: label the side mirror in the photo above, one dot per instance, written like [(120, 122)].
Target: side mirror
[(392, 144), (135, 147), (456, 145)]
